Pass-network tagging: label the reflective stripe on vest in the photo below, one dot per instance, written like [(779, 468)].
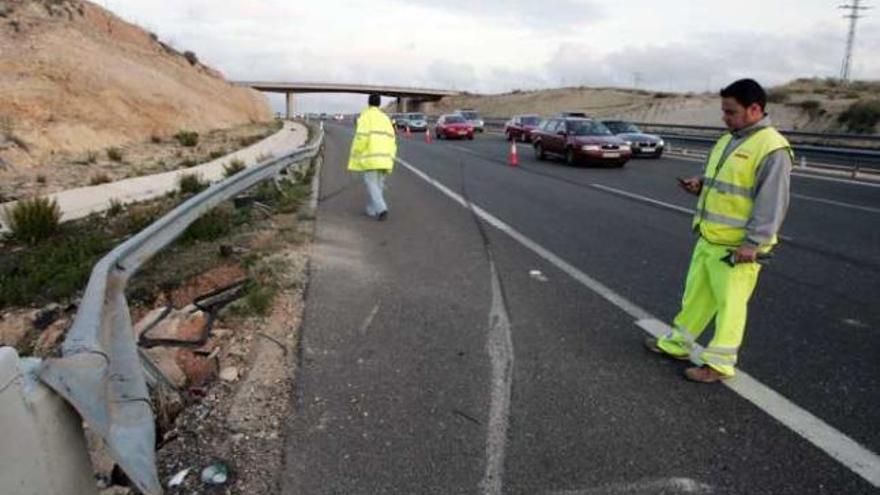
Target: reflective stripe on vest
[(727, 198)]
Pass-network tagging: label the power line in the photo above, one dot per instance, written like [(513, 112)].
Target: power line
[(853, 16)]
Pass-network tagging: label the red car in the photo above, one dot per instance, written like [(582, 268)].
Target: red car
[(580, 140), (453, 127), (520, 127)]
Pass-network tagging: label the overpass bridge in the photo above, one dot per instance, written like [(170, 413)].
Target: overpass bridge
[(406, 97)]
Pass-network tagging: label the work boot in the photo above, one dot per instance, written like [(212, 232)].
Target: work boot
[(704, 374), (651, 344), (382, 216)]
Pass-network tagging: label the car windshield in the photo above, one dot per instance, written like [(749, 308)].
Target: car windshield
[(417, 116), (621, 127), (587, 128), (470, 115), (531, 120), (455, 119)]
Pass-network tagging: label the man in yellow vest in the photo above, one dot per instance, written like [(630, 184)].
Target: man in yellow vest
[(743, 198), (372, 152)]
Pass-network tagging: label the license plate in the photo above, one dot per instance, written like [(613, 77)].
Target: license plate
[(610, 155), (462, 133)]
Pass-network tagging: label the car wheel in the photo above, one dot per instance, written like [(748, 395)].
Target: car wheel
[(658, 155), (620, 164), (509, 135), (539, 151), (569, 157), (470, 137)]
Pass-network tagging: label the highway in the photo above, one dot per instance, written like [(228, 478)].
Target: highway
[(498, 349)]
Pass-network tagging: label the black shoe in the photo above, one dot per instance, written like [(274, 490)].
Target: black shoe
[(382, 216)]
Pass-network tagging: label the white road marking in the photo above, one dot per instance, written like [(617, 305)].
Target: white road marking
[(662, 204), (369, 320), (831, 441), (836, 203), (667, 485)]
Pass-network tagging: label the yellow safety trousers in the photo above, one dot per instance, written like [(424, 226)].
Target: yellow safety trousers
[(713, 289)]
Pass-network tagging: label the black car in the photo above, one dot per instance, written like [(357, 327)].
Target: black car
[(642, 144)]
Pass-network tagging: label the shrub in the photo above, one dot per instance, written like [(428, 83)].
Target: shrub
[(99, 178), (191, 184), (187, 138), (778, 95), (41, 179), (216, 154), (114, 154), (191, 57), (33, 220), (116, 207), (663, 95), (155, 139), (189, 162), (233, 167), (810, 106), (861, 116), (210, 226)]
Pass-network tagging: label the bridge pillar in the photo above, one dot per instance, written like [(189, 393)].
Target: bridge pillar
[(289, 111)]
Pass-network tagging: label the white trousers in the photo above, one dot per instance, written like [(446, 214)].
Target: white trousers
[(375, 181)]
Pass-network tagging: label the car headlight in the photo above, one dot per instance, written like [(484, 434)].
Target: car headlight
[(590, 147), (660, 143), (624, 147), (628, 143)]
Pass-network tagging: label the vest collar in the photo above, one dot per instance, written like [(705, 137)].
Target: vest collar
[(748, 131)]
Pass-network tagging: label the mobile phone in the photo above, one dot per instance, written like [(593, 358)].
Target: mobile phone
[(682, 181)]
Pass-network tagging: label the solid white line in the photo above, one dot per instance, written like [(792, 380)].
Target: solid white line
[(834, 179), (833, 442), (644, 199), (836, 203)]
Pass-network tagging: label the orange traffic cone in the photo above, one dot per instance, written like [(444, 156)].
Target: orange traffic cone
[(514, 157), (427, 136)]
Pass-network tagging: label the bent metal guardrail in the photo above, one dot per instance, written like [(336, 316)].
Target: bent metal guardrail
[(100, 373)]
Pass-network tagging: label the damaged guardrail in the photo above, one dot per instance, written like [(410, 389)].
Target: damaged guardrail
[(100, 372)]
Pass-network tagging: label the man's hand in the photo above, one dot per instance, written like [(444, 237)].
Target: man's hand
[(693, 185), (746, 254)]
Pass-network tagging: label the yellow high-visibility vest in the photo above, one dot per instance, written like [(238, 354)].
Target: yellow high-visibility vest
[(375, 145), (728, 193)]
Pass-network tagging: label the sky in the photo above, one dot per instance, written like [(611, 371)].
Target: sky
[(495, 46)]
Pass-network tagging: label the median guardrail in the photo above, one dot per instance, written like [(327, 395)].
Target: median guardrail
[(101, 372)]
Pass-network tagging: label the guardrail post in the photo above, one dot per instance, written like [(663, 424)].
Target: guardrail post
[(803, 162), (855, 172), (43, 446)]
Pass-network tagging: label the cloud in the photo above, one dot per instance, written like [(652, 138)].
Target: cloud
[(547, 15), (708, 65)]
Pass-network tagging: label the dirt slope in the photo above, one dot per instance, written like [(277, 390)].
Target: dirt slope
[(74, 77)]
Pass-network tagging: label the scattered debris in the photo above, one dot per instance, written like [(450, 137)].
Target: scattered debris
[(229, 374), (178, 478), (215, 474), (537, 275)]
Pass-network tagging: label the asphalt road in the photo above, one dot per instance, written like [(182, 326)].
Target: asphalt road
[(406, 388)]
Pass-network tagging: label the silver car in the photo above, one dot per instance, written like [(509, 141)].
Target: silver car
[(473, 118)]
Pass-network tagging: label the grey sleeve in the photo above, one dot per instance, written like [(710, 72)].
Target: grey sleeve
[(771, 196)]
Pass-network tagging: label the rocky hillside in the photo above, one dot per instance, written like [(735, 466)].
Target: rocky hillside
[(74, 77), (806, 104)]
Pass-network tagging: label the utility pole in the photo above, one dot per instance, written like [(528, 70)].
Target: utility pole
[(853, 16)]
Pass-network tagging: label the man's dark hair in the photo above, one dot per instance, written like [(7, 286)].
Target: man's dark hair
[(375, 100), (746, 92)]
